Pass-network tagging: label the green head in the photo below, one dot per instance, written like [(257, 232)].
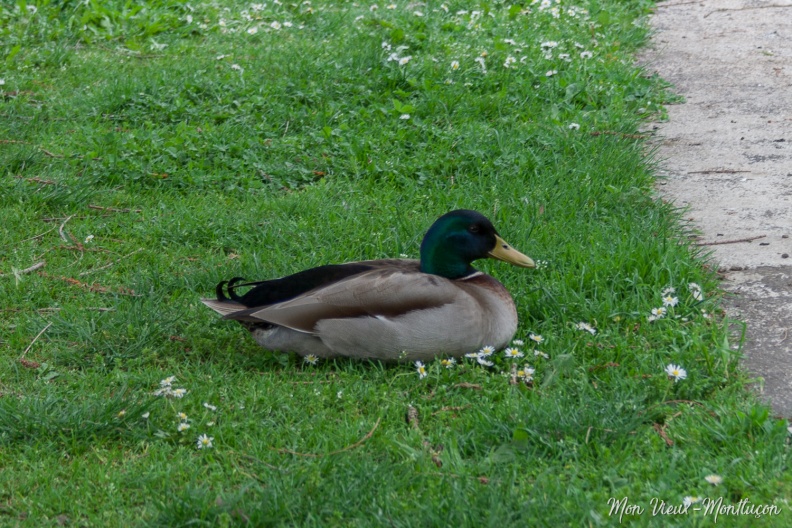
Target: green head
[(458, 238)]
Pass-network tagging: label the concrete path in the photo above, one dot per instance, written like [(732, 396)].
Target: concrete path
[(727, 156)]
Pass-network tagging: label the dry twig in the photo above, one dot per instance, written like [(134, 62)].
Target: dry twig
[(716, 171), (347, 448), (451, 409), (34, 267), (746, 8), (91, 287), (661, 431), (111, 264), (466, 385), (34, 340), (620, 134), (113, 209), (60, 229), (736, 241)]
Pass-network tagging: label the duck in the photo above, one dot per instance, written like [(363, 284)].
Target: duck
[(392, 310)]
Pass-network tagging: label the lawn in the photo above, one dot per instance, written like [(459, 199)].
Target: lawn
[(150, 149)]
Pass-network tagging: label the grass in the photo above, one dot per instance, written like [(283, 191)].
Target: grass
[(151, 149)]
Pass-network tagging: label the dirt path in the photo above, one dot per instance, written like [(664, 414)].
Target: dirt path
[(727, 156)]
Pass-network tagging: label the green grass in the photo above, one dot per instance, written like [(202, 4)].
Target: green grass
[(150, 149)]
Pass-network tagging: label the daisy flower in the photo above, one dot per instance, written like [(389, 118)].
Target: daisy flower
[(670, 300), (550, 73), (275, 25), (538, 353), (484, 361), (587, 327), (183, 427), (482, 63), (404, 117), (586, 54), (448, 362), (695, 291), (311, 359), (183, 416), (574, 126), (455, 65), (204, 442), (145, 415), (526, 373), (509, 61), (405, 60), (167, 382), (419, 366), (658, 313), (676, 372), (513, 352), (714, 479), (518, 342), (487, 350), (178, 393), (687, 501), (209, 406), (668, 291), (536, 338)]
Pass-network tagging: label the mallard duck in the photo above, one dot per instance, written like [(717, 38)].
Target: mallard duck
[(390, 310)]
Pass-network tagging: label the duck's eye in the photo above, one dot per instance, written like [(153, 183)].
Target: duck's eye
[(474, 228)]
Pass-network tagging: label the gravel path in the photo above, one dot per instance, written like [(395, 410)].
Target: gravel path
[(727, 156)]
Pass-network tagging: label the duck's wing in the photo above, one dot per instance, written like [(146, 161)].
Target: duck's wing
[(382, 292)]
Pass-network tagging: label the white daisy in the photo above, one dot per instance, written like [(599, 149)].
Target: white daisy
[(311, 359), (448, 362), (183, 427), (204, 441), (484, 361), (421, 368), (676, 372), (687, 501), (455, 65), (586, 327), (714, 479), (536, 338), (209, 406), (526, 373), (513, 352), (670, 300)]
